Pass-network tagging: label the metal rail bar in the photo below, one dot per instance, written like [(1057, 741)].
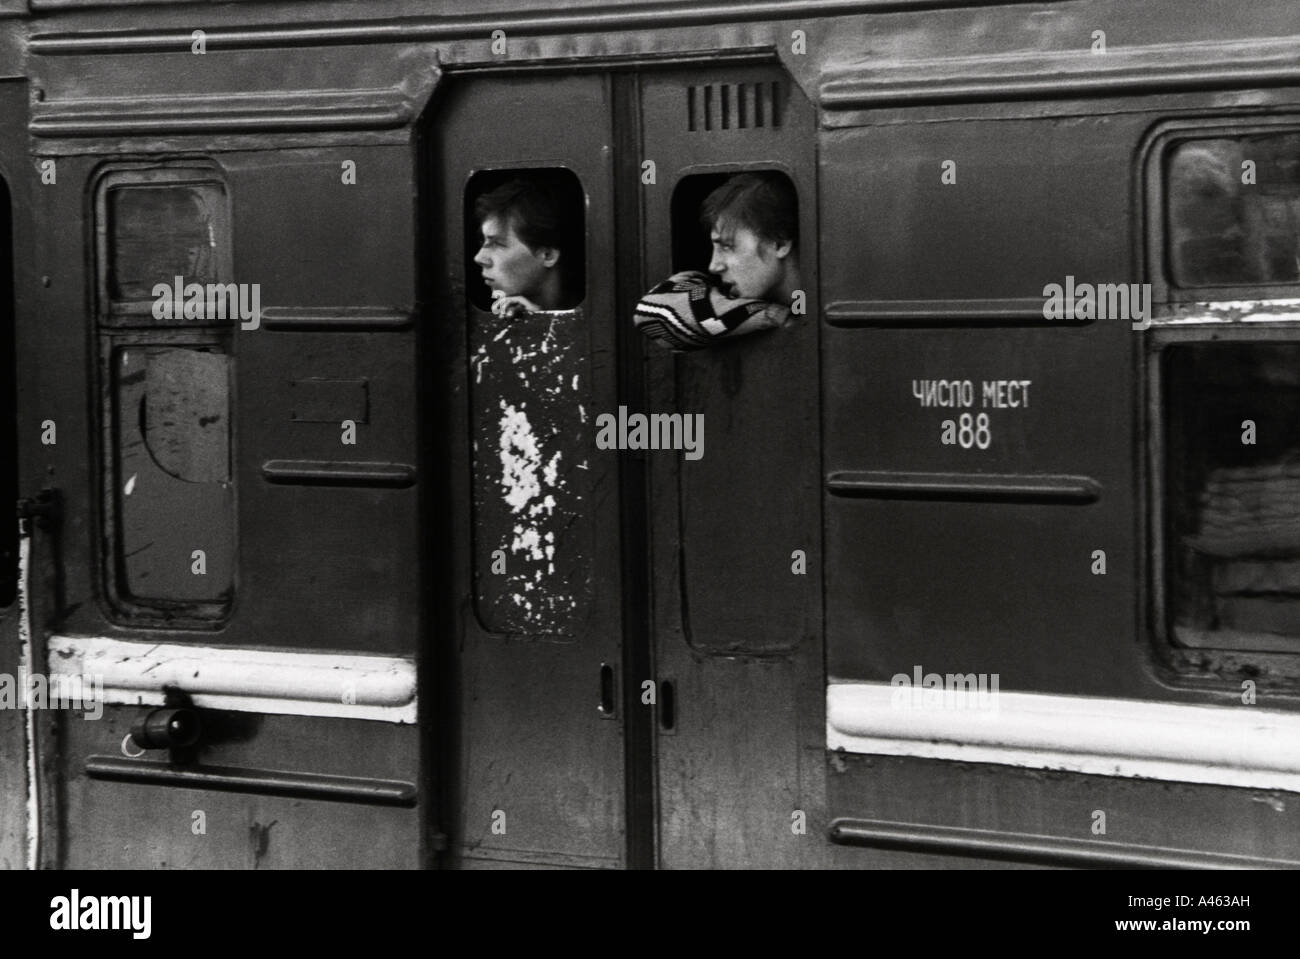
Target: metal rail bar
[(1020, 488), (1038, 850), (381, 792)]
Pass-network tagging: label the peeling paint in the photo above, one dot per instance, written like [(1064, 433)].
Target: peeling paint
[(27, 662), (519, 458), (524, 500), (1227, 312), (478, 361), (1272, 801)]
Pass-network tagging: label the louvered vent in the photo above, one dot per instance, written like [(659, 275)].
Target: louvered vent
[(734, 106)]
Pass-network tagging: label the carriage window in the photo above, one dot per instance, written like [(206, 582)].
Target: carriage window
[(1234, 211), (692, 249), (1232, 524), (171, 485), (156, 232), (525, 236), (166, 468)]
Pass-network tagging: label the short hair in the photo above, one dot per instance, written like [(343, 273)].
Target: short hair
[(533, 207), (545, 209), (762, 202)]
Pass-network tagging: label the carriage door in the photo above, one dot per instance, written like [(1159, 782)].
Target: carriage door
[(531, 555), (735, 534)]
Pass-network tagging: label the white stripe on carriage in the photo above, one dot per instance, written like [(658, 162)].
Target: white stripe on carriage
[(281, 681), (1228, 745)]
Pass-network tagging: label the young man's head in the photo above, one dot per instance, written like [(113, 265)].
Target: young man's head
[(530, 247), (753, 222)]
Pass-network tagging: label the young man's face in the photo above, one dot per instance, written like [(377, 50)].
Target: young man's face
[(508, 263), (748, 266)]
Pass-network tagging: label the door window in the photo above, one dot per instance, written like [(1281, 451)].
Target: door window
[(163, 249), (532, 444)]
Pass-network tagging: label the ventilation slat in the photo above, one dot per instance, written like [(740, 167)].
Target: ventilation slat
[(734, 106)]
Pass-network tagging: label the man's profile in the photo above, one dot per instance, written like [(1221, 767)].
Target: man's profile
[(531, 249), (753, 224), (753, 278)]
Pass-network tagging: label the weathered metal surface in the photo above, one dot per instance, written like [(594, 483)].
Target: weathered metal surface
[(13, 775), (736, 535), (1055, 808), (1047, 138), (538, 773), (326, 567), (154, 825), (533, 479)]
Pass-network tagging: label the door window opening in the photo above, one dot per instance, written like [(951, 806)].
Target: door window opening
[(525, 236)]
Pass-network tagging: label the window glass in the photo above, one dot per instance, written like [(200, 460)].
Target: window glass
[(172, 486), (1234, 211), (168, 499), (1233, 505), (160, 232)]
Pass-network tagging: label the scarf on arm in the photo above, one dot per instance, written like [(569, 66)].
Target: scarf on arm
[(689, 311)]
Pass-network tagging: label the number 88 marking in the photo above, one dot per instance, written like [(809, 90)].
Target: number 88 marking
[(974, 433)]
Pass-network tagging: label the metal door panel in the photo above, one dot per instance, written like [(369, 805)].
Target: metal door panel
[(324, 570), (736, 626), (538, 771)]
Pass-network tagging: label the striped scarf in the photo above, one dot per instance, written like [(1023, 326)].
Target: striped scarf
[(689, 311)]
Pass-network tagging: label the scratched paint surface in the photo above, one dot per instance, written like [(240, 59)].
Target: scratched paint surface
[(532, 455)]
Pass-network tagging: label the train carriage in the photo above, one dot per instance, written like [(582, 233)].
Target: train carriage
[(987, 558)]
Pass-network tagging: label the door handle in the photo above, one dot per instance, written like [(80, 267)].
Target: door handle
[(667, 705), (608, 692), (166, 729)]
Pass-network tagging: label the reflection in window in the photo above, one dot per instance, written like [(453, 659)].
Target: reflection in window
[(160, 232), (1226, 232), (1233, 507)]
